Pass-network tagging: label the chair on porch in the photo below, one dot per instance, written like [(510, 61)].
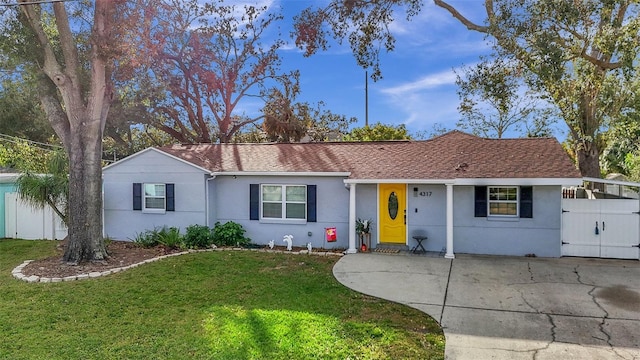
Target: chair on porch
[(419, 235)]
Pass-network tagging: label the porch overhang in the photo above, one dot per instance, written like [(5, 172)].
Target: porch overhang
[(477, 181), (351, 184)]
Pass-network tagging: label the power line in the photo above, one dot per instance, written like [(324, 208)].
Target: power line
[(17, 140), (36, 2), (40, 145)]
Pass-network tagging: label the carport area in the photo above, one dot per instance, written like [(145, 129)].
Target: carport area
[(496, 307)]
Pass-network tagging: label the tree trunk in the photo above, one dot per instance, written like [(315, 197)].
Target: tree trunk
[(78, 115), (85, 193), (588, 158)]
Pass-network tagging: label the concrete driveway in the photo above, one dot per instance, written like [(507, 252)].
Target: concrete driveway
[(512, 308)]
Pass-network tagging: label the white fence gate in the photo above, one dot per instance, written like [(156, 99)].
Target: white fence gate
[(22, 221), (606, 228)]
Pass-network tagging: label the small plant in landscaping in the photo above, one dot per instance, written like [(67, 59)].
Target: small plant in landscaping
[(229, 234), (146, 239), (197, 236), (170, 238)]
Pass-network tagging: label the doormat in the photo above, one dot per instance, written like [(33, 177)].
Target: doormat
[(387, 251)]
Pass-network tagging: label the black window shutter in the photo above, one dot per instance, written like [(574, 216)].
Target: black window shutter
[(171, 197), (526, 201), (254, 202), (311, 203), (481, 201), (137, 196)]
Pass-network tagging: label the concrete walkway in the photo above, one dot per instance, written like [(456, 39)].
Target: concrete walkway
[(510, 307)]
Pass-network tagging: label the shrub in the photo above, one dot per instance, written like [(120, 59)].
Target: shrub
[(197, 236), (170, 237), (147, 239), (229, 234)]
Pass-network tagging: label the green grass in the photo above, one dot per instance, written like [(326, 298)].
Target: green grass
[(214, 305)]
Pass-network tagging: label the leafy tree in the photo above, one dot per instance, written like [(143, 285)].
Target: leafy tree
[(326, 125), (621, 152), (72, 67), (364, 22), (378, 132), (307, 122), (21, 156), (492, 101), (20, 112), (48, 189), (581, 54), (283, 120), (204, 60), (135, 138)]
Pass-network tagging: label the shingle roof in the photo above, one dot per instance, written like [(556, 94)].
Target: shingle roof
[(449, 156)]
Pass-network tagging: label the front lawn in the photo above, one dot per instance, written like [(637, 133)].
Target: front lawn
[(214, 305)]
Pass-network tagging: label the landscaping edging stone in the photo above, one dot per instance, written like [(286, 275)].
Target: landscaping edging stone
[(17, 271)]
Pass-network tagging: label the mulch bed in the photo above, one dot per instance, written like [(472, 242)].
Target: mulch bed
[(121, 254)]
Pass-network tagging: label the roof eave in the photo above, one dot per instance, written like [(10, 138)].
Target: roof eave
[(475, 181), (159, 151), (283, 173)]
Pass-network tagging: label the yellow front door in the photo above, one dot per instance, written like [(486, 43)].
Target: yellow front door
[(392, 209)]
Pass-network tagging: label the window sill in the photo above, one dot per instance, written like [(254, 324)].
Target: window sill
[(154, 211), (503, 218), (283, 221)]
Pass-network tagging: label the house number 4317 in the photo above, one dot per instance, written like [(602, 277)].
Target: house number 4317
[(425, 193)]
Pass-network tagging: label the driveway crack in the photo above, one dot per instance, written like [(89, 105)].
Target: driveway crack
[(537, 311), (553, 336), (602, 324)]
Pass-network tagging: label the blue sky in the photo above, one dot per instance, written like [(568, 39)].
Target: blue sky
[(418, 86)]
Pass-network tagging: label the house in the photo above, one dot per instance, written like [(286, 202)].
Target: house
[(468, 194)]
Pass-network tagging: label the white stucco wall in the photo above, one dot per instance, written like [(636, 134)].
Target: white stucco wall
[(232, 195), (426, 212), (121, 222), (539, 235)]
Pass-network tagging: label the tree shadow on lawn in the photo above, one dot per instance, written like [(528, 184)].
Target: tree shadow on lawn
[(223, 305)]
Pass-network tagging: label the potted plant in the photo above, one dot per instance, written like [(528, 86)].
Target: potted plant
[(363, 228)]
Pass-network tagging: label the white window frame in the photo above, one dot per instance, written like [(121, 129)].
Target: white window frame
[(284, 202), (145, 197), (502, 201)]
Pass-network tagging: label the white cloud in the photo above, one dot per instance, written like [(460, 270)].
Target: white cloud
[(427, 82), (424, 102)]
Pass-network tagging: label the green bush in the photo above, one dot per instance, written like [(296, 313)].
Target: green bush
[(170, 237), (147, 239), (229, 234), (197, 236)]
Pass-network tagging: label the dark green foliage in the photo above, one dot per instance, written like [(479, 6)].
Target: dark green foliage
[(147, 239), (229, 234), (378, 132), (170, 237), (198, 236)]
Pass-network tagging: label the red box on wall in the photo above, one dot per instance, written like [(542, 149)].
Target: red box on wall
[(330, 233)]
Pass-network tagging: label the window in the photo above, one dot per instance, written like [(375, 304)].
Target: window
[(154, 197), (503, 201), (284, 202)]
